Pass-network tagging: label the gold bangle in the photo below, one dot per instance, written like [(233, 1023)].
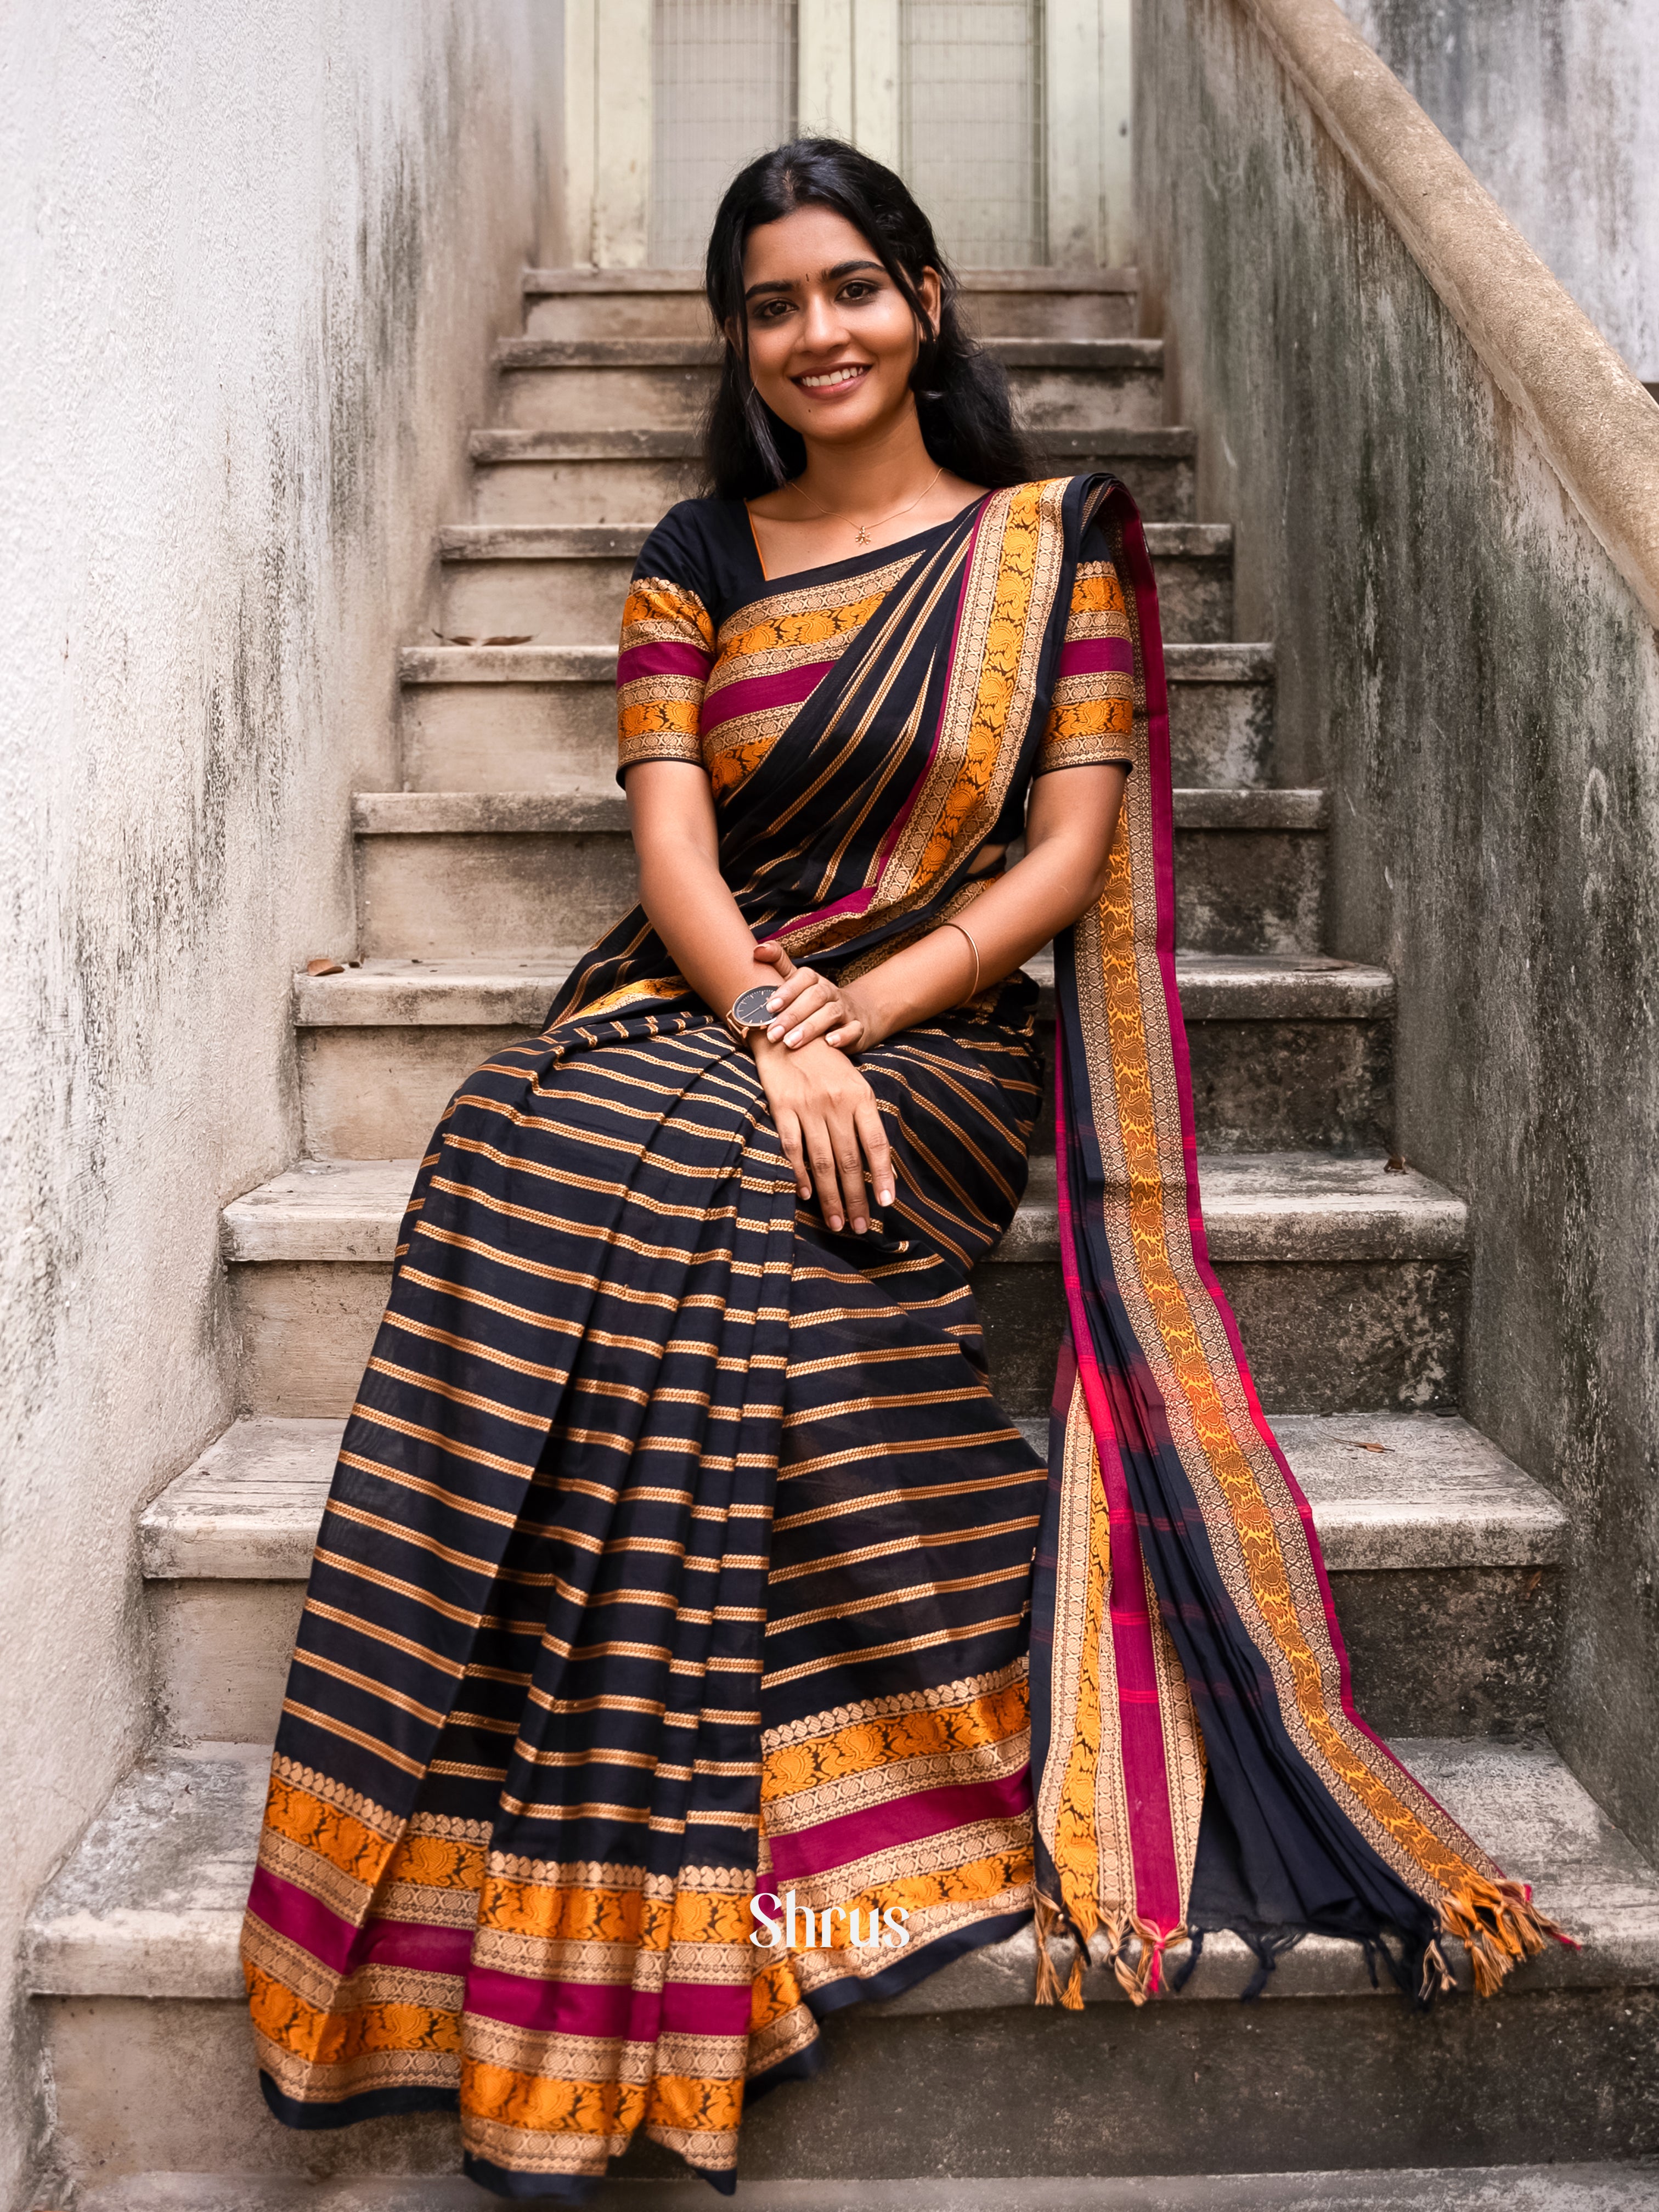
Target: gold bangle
[(973, 988)]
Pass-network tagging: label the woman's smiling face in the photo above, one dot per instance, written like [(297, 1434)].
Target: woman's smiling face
[(831, 338)]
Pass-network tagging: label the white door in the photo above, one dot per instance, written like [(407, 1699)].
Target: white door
[(723, 90), (971, 143), (1009, 119)]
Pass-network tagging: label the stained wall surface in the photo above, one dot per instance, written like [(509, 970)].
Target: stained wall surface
[(253, 257), (1460, 661), (1554, 105)]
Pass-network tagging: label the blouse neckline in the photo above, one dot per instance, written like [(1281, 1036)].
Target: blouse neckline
[(833, 571)]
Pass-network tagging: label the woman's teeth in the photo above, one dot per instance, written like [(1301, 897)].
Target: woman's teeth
[(830, 376)]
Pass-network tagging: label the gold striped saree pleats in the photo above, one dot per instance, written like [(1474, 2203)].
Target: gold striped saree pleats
[(678, 1555)]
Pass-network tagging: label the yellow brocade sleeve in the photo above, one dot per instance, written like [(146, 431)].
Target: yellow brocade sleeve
[(663, 662), (1091, 718)]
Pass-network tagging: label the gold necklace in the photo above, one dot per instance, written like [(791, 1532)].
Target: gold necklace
[(863, 529)]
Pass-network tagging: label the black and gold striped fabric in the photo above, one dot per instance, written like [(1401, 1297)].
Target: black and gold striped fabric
[(679, 1556)]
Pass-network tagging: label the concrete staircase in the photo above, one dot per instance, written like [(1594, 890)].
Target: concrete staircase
[(506, 848)]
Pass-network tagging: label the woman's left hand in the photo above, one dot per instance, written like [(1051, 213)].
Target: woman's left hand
[(807, 1004)]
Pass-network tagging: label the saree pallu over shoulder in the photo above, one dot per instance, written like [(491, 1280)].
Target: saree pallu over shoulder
[(679, 1565), (1200, 1763)]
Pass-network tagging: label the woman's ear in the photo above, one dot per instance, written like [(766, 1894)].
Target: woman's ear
[(929, 291)]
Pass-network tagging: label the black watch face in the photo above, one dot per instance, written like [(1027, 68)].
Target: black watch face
[(749, 1007)]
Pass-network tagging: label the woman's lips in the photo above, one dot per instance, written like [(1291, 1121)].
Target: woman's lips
[(830, 383)]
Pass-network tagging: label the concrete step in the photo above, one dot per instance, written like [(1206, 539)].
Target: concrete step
[(1348, 1281), (454, 873), (1291, 1053), (526, 718), (565, 585), (1627, 2185), (131, 1952), (665, 383), (1443, 1556), (601, 303), (617, 476)]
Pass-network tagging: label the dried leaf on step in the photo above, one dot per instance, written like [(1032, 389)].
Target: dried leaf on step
[(324, 967), (460, 641), (1397, 1165), (1365, 1445), (525, 640)]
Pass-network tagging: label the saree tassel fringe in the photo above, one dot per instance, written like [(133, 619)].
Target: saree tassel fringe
[(1269, 1950), (1138, 1957), (1120, 1933), (1134, 1951), (1080, 1921), (1045, 1917), (1188, 1966), (1500, 1928), (1438, 1977), (1152, 1947)]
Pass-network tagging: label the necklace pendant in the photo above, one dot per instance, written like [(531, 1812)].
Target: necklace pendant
[(863, 534)]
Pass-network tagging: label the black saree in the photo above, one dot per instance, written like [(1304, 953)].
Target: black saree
[(672, 1609)]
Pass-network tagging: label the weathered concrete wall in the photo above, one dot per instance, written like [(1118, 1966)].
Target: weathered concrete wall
[(1554, 105), (1463, 665), (253, 259)]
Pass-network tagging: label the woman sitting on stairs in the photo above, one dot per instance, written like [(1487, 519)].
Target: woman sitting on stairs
[(693, 1646)]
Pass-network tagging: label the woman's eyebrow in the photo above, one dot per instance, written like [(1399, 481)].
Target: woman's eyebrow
[(826, 277)]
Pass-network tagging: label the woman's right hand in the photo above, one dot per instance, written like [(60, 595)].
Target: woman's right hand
[(829, 1127)]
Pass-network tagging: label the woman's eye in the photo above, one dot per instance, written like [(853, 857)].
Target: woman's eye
[(862, 290)]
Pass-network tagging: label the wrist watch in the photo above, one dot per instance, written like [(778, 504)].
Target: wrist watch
[(748, 1010)]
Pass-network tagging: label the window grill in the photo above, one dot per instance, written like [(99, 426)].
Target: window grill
[(723, 90), (971, 126)]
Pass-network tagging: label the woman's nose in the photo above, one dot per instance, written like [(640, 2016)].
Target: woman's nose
[(825, 326)]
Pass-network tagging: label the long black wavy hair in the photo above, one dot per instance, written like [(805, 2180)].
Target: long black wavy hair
[(962, 394)]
